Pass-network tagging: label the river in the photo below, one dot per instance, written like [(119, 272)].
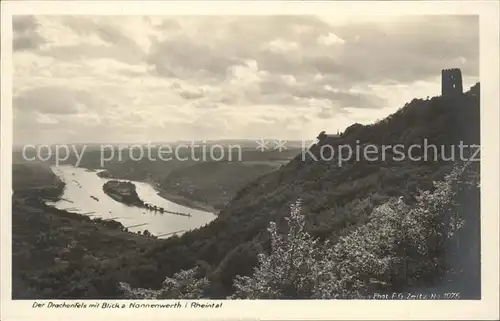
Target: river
[(81, 184)]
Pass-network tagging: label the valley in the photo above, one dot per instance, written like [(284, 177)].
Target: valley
[(336, 201)]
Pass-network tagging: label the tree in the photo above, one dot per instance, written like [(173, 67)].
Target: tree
[(290, 270), (186, 284), (400, 246), (321, 136)]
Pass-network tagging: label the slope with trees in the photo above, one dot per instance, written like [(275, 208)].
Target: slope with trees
[(337, 199), (361, 209)]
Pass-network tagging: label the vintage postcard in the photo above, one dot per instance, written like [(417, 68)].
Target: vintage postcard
[(249, 160)]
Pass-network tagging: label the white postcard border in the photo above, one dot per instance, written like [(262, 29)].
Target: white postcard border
[(487, 308)]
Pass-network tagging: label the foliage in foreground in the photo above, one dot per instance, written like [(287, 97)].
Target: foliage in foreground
[(186, 284), (400, 247)]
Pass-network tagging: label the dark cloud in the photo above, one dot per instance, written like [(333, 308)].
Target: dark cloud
[(27, 42), (188, 58), (22, 24), (118, 45), (280, 62), (186, 94), (242, 39), (227, 98), (415, 48), (100, 27), (25, 33), (405, 51), (275, 87)]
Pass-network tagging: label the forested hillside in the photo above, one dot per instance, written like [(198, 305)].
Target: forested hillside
[(358, 206), (215, 183), (337, 199)]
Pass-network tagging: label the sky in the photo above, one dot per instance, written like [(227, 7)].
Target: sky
[(145, 79)]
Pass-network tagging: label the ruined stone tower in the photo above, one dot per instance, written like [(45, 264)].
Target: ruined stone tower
[(451, 82)]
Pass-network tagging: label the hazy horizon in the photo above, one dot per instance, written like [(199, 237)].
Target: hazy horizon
[(145, 143)]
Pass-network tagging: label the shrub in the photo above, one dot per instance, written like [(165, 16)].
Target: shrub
[(400, 246), (186, 284)]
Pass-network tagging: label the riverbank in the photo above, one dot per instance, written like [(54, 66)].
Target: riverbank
[(52, 249), (126, 193), (169, 195), (184, 201)]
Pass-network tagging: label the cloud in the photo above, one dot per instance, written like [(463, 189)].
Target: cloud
[(72, 38), (158, 78), (330, 39), (281, 46), (371, 52), (186, 94), (100, 27), (187, 58), (409, 50), (27, 42), (205, 104), (53, 100), (25, 33), (286, 88), (22, 24)]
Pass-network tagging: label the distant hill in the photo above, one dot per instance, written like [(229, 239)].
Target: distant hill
[(35, 178), (337, 198), (215, 183)]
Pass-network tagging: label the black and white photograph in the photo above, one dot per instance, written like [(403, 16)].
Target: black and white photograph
[(245, 157)]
